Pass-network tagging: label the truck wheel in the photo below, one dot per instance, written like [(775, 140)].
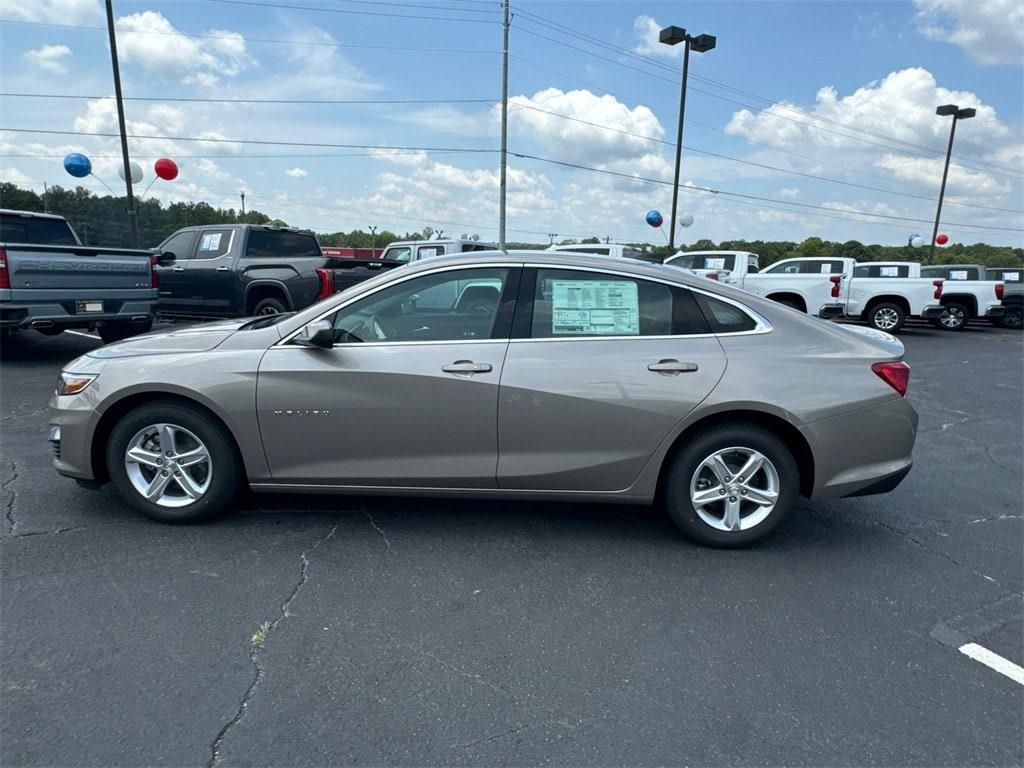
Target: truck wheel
[(886, 317), (111, 332), (732, 485), (269, 307), (1012, 317), (173, 463), (955, 318)]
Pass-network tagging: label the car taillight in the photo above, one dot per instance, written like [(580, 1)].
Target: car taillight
[(154, 276), (836, 280), (326, 283), (938, 289), (999, 291), (896, 375), (5, 276)]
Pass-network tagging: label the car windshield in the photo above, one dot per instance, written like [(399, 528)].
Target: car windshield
[(704, 261)]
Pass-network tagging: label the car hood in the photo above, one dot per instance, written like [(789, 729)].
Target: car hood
[(196, 338)]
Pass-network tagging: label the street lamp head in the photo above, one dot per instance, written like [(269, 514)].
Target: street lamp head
[(967, 112), (672, 35), (702, 43), (946, 110)]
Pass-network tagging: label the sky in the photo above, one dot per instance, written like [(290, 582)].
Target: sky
[(807, 119)]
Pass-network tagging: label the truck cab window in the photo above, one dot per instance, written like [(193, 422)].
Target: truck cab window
[(214, 243)]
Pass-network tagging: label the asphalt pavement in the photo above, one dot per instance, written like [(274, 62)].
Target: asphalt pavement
[(332, 630)]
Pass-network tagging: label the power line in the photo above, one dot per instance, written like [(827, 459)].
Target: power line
[(356, 13), (252, 101), (633, 177)]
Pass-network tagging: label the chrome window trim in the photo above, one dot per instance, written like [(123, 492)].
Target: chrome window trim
[(761, 323)]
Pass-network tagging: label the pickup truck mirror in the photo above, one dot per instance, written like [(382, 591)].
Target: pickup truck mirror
[(318, 334), (166, 258)]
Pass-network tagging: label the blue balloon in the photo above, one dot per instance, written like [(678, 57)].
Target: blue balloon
[(654, 218), (77, 165)]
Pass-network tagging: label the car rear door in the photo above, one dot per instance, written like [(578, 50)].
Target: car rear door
[(407, 397), (209, 279), (602, 365)]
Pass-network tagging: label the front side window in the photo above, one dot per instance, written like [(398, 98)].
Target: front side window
[(213, 243), (569, 303), (704, 261), (180, 245), (401, 253), (455, 305)]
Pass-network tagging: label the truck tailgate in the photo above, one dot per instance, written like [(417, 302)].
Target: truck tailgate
[(80, 268)]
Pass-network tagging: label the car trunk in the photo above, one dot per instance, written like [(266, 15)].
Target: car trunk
[(32, 268)]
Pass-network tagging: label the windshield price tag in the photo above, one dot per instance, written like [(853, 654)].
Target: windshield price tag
[(889, 271), (714, 263), (210, 242), (595, 308), (958, 274)]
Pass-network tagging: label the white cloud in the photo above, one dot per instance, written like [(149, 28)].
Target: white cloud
[(54, 11), (13, 176), (790, 192), (49, 58), (648, 44), (989, 31), (151, 41), (297, 173), (927, 170)]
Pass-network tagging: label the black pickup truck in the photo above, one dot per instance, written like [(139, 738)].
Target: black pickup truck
[(240, 270), (50, 282)]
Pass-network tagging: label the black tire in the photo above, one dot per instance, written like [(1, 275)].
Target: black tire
[(111, 332), (1012, 317), (226, 470), (956, 317), (676, 488), (886, 317), (50, 331), (269, 307), (789, 303)]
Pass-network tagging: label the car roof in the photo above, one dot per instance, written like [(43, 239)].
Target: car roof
[(32, 214)]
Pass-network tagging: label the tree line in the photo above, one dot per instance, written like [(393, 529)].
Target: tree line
[(102, 220)]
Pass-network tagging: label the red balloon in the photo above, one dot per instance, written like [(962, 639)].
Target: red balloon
[(942, 239), (166, 169)]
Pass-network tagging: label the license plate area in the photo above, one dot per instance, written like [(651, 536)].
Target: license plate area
[(89, 307)]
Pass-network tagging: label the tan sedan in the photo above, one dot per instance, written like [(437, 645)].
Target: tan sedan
[(522, 375)]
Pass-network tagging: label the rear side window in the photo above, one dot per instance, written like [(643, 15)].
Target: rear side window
[(568, 303), (724, 317), (268, 244), (213, 243), (884, 270), (429, 251), (784, 268), (822, 267), (28, 229)]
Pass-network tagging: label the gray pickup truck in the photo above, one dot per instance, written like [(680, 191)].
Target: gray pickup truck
[(50, 282), (1013, 295)]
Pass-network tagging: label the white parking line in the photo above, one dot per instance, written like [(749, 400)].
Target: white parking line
[(993, 661), (83, 333)]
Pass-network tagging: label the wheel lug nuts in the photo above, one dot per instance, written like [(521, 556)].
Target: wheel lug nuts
[(721, 492), (164, 473), (167, 454), (728, 479), (732, 498), (159, 461), (743, 493)]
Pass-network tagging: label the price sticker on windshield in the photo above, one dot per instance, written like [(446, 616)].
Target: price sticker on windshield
[(595, 308), (889, 271), (958, 274), (714, 263)]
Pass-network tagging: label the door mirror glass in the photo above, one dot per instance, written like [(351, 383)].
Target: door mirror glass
[(166, 258), (318, 334)]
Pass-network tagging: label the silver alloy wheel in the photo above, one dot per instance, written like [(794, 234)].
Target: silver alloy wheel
[(270, 309), (168, 465), (886, 319), (954, 318), (734, 489)]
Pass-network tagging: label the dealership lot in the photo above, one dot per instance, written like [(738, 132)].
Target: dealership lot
[(314, 630)]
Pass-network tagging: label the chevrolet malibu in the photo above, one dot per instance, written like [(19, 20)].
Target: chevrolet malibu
[(516, 375)]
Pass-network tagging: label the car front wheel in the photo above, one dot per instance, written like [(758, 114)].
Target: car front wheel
[(732, 485), (955, 318), (174, 463), (887, 317)]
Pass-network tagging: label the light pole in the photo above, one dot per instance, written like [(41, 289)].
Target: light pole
[(958, 114), (242, 194), (701, 44), (551, 238), (133, 220), (373, 242)]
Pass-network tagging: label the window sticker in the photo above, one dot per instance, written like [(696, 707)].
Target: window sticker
[(958, 274), (714, 263), (210, 242), (1013, 277), (826, 269), (888, 271), (595, 308)]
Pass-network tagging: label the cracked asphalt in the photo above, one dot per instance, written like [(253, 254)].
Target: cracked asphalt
[(325, 631)]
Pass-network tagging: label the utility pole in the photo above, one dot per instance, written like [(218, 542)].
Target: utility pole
[(46, 195), (504, 128), (958, 114), (242, 194), (373, 242), (132, 218)]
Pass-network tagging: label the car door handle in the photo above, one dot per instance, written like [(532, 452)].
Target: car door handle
[(177, 269), (672, 366), (223, 269), (466, 366)]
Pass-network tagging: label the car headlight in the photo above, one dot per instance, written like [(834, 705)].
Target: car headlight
[(74, 383)]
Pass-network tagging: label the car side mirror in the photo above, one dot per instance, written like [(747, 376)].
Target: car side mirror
[(318, 334), (166, 258)]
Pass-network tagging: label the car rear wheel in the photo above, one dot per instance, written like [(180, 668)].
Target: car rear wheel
[(1013, 317), (174, 463), (111, 332), (270, 307), (955, 318), (732, 485), (887, 317)]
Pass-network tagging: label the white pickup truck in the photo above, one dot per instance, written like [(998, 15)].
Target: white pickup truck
[(968, 293), (825, 287)]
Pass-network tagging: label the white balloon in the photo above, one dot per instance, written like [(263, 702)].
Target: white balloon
[(136, 171), (686, 220), (917, 241)]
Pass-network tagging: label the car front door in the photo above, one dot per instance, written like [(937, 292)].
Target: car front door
[(406, 397), (601, 367), (209, 278), (174, 294)]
